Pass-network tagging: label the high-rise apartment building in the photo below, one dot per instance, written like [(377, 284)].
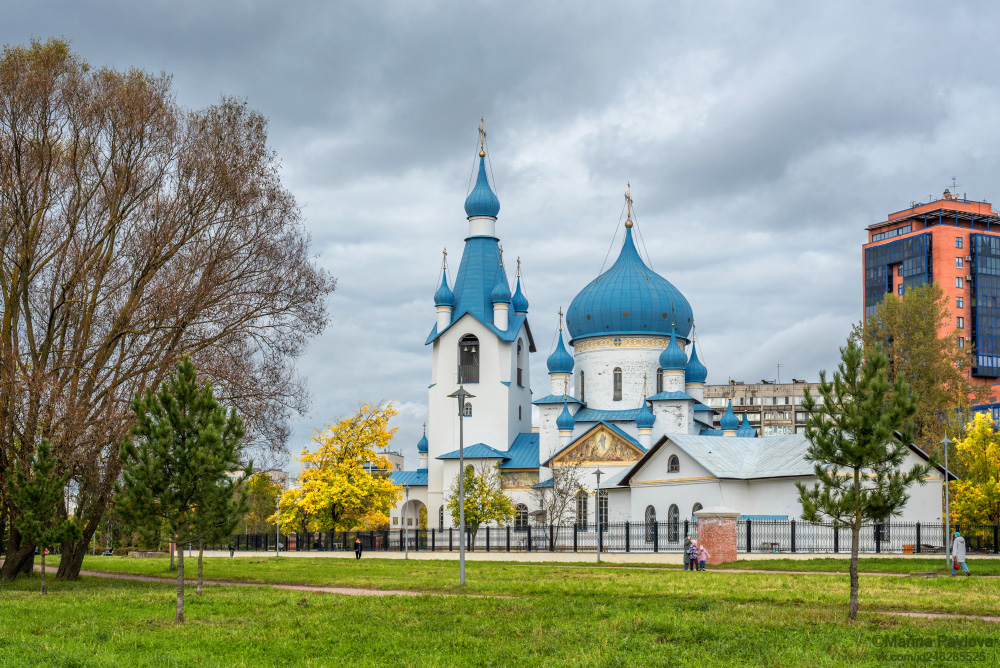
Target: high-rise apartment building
[(956, 242), (772, 408)]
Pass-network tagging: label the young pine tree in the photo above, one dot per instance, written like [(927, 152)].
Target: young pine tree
[(859, 438), (183, 445), (36, 496)]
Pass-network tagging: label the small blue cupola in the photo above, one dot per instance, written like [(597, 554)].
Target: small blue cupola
[(645, 418), (672, 356), (481, 201), (729, 421), (422, 443), (444, 296), (560, 361), (695, 371), (519, 301), (745, 430), (565, 421), (501, 291)]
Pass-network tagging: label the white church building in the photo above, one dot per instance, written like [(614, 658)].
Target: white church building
[(624, 397)]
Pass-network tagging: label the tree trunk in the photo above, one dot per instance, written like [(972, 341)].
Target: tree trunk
[(20, 559), (180, 587), (71, 562), (44, 588), (855, 535), (201, 552)]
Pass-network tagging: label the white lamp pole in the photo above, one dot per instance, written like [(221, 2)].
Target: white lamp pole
[(277, 529), (597, 508), (406, 528), (947, 510), (461, 395)]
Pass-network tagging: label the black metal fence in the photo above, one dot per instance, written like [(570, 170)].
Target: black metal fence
[(776, 536)]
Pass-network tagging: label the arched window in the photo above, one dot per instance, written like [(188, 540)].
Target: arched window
[(618, 384), (581, 507), (468, 359), (521, 518), (468, 409), (695, 509), (583, 394), (659, 380), (520, 364), (650, 524), (673, 523), (602, 509), (673, 464), (441, 517)]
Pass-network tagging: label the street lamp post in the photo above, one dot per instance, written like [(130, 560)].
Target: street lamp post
[(947, 510), (277, 529), (461, 395), (406, 527), (597, 508)]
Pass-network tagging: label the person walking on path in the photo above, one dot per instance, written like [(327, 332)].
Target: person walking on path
[(693, 554), (958, 555), (357, 547), (703, 556), (687, 553)]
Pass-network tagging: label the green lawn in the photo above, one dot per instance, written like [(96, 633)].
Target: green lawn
[(547, 616), (978, 565)]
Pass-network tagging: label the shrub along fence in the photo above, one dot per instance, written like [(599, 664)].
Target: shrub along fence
[(753, 535)]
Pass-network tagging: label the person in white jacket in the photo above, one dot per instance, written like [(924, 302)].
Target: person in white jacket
[(958, 554)]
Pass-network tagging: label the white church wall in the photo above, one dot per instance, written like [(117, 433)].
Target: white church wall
[(598, 357)]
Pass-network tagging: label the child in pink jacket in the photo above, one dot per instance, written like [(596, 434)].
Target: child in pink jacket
[(702, 556)]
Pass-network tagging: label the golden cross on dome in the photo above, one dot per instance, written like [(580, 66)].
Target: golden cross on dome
[(560, 318), (628, 203), (501, 254), (482, 137), (644, 385), (425, 429), (565, 387), (518, 265), (444, 263)]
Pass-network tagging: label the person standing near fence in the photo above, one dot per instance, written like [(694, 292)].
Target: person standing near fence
[(692, 553), (687, 552), (958, 555), (703, 556), (357, 547)]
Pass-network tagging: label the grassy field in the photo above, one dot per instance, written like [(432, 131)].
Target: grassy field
[(542, 616)]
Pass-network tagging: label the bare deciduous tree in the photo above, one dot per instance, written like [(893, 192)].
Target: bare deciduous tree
[(132, 232), (558, 500)]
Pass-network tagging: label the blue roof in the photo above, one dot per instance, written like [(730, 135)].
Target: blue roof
[(629, 298), (519, 302), (710, 432), (523, 452), (674, 396), (565, 420), (672, 356), (695, 371), (645, 418), (745, 430), (558, 399), (594, 415), (543, 484), (476, 451), (560, 361), (612, 427), (481, 201), (412, 478), (729, 420), (422, 443), (699, 408), (501, 291), (444, 296)]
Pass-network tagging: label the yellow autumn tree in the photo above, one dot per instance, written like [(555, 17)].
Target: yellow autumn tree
[(335, 488), (976, 497)]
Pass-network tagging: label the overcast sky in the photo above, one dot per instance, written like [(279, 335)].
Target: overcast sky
[(760, 140)]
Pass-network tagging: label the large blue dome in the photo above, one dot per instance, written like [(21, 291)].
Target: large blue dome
[(629, 298)]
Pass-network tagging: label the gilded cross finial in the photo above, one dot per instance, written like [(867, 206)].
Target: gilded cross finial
[(519, 265), (643, 385), (444, 262), (628, 204), (565, 388), (425, 429), (482, 137), (560, 318), (501, 254)]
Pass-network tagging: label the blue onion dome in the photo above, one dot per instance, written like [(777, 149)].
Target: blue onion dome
[(672, 356), (629, 298), (519, 301), (695, 371), (422, 444), (645, 418), (444, 296), (729, 421), (560, 361), (501, 291), (481, 201), (565, 420)]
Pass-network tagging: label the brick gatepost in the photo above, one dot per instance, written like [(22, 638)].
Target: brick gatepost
[(717, 532)]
